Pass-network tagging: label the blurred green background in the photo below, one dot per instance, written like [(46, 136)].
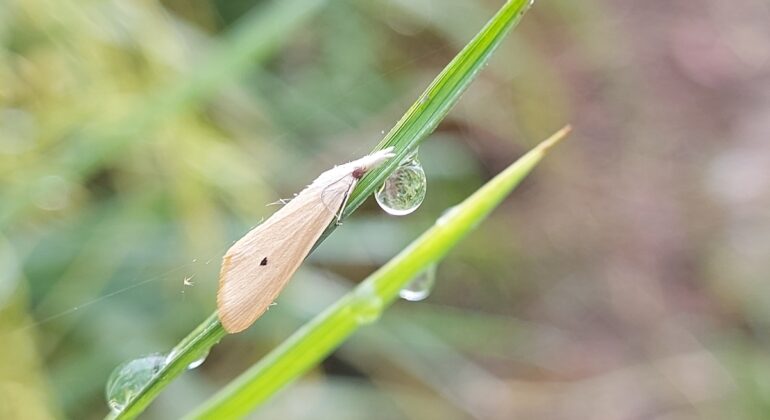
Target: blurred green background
[(626, 279)]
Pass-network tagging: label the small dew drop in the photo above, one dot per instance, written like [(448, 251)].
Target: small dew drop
[(199, 361), (130, 377), (404, 190), (194, 364), (421, 286), (367, 307)]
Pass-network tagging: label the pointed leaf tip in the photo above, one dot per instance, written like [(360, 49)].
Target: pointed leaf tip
[(555, 138)]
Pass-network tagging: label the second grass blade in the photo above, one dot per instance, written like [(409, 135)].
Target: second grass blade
[(319, 337)]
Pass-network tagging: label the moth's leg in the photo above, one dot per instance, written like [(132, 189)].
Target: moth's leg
[(345, 203)]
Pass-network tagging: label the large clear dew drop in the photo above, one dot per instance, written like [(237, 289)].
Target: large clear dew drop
[(404, 190), (421, 286), (130, 377)]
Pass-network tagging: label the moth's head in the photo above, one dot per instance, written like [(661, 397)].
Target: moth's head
[(367, 163)]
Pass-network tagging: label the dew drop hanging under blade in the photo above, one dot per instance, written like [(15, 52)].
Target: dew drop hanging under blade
[(404, 190), (419, 288)]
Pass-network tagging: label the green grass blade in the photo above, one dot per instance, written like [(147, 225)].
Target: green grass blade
[(199, 341), (418, 122), (315, 340), (438, 99)]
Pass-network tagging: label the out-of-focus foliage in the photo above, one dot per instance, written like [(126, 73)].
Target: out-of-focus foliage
[(627, 279)]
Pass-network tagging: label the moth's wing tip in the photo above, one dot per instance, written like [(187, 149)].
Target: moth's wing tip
[(226, 311), (231, 324), (223, 275), (232, 319), (234, 313), (226, 318)]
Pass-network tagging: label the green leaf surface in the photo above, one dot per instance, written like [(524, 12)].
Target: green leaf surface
[(438, 99)]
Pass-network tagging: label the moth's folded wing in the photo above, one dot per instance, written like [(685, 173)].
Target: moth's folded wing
[(257, 267)]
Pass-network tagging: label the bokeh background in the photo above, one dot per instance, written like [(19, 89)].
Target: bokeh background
[(627, 278)]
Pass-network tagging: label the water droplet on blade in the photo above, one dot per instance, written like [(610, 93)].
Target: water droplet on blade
[(421, 286), (199, 361), (130, 377), (404, 190), (367, 307), (194, 364)]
